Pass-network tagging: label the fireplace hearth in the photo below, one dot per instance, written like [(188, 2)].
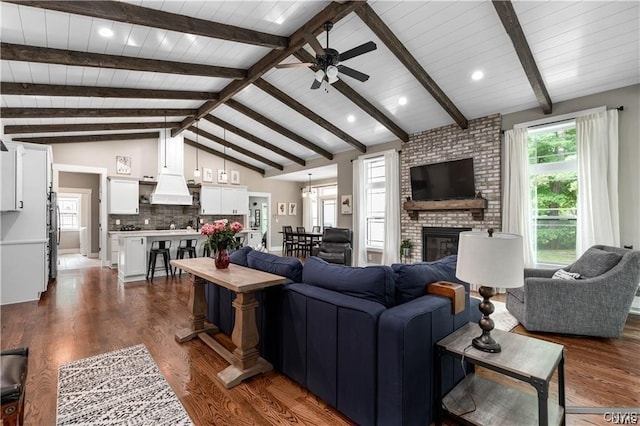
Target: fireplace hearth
[(440, 242)]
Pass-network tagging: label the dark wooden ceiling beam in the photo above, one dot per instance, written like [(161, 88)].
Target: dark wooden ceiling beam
[(18, 52), (84, 127), (137, 15), (511, 24), (254, 115), (306, 112), (384, 33), (252, 138), (333, 12), (100, 92), (216, 139), (357, 99), (93, 112), (211, 151), (90, 138)]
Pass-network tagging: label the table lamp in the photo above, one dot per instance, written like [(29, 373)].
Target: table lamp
[(491, 260)]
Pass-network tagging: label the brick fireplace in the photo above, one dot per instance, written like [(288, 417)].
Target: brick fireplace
[(481, 141)]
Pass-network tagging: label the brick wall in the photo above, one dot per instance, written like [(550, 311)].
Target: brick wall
[(480, 141)]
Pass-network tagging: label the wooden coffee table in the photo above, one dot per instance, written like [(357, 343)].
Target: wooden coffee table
[(245, 360)]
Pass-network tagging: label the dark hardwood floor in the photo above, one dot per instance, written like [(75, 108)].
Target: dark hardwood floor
[(87, 312)]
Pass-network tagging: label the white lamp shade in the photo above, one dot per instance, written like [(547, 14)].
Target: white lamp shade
[(490, 261)]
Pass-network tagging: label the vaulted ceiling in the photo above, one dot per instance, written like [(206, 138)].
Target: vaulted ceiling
[(100, 70)]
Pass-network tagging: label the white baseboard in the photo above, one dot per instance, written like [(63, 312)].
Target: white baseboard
[(69, 251), (635, 306)]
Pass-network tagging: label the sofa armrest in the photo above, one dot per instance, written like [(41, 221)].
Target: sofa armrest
[(538, 273), (407, 335)]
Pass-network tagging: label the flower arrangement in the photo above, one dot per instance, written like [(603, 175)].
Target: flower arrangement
[(221, 234)]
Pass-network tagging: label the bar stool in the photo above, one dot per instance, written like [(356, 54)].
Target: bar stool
[(159, 247), (186, 246)]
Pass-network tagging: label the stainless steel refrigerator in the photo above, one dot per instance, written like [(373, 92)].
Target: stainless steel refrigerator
[(53, 232)]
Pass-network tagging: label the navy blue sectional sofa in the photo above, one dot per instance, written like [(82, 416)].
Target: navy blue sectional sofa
[(362, 339)]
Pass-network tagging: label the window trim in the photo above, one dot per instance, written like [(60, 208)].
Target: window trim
[(373, 185)]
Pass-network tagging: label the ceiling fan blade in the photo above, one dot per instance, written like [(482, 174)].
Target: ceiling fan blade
[(316, 84), (295, 65), (358, 50), (314, 43), (353, 73)]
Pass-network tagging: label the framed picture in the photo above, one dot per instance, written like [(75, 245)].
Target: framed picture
[(123, 165), (346, 206), (293, 209), (282, 209), (222, 176), (207, 175), (235, 177)]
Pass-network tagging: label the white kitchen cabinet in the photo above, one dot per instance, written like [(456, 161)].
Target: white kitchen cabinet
[(12, 179), (132, 258), (254, 238), (124, 196), (234, 200), (113, 251), (210, 200)]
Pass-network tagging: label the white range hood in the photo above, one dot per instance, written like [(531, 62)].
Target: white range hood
[(171, 188)]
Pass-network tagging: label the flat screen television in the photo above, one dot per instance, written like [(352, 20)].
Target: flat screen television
[(443, 181)]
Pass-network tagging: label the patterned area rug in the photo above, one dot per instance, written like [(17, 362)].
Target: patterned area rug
[(119, 387), (502, 318)]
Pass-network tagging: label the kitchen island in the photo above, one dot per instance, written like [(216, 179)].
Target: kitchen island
[(133, 250)]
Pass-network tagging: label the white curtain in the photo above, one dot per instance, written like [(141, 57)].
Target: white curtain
[(307, 218), (597, 151), (391, 251), (516, 202), (359, 254)]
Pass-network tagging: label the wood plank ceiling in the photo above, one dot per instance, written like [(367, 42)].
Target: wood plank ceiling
[(169, 63)]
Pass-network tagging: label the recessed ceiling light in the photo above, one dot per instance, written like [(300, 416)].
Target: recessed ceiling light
[(105, 32), (477, 75), (402, 100), (351, 119)]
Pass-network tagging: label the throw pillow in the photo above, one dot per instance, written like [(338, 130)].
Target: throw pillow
[(595, 262), (288, 267), (239, 257), (373, 283), (561, 274), (413, 279)]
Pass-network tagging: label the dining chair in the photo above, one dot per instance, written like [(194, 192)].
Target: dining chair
[(288, 243), (303, 242)]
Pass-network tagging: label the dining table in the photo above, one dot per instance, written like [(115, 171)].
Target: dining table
[(310, 239)]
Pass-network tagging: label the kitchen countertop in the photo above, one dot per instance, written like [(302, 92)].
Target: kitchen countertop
[(163, 232)]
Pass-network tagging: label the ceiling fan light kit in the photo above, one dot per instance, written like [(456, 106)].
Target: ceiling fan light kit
[(328, 60)]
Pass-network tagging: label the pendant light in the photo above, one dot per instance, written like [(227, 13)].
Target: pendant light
[(165, 144), (308, 191), (196, 172), (223, 175)]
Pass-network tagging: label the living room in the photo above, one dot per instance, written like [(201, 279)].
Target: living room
[(421, 132)]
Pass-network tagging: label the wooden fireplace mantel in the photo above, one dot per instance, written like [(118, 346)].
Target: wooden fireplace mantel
[(475, 205)]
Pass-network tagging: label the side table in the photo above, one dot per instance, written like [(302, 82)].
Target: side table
[(531, 360)]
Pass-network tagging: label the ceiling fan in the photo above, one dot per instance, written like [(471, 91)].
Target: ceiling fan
[(328, 60)]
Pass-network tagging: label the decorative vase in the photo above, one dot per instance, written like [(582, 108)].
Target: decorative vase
[(221, 258)]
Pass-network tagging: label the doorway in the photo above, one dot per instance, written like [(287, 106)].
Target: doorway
[(260, 215), (90, 182)]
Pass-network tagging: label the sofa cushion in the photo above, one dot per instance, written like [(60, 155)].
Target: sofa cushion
[(288, 267), (595, 262), (412, 279), (239, 257), (373, 283)]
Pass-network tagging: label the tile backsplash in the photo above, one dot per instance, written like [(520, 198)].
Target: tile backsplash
[(161, 216)]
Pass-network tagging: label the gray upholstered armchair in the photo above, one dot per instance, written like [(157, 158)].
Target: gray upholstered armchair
[(596, 304), (335, 246)]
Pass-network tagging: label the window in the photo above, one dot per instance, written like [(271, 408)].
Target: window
[(324, 206), (554, 192), (375, 201), (69, 212)]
